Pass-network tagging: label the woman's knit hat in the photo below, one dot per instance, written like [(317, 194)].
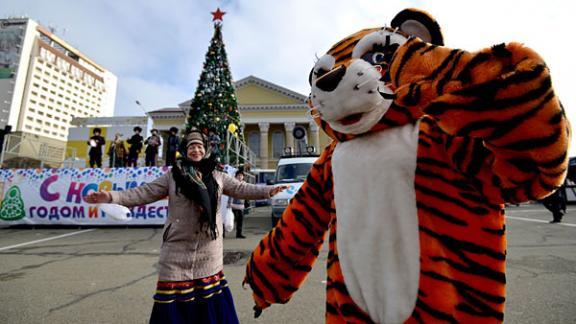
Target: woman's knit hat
[(195, 137)]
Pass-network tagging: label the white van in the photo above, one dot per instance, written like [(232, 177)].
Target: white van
[(263, 177), (291, 171)]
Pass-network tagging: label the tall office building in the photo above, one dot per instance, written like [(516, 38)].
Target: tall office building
[(44, 83)]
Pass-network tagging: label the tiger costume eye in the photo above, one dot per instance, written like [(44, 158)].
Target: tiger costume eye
[(320, 72)]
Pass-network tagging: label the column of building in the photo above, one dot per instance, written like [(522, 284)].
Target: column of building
[(315, 136), (264, 127), (289, 127)]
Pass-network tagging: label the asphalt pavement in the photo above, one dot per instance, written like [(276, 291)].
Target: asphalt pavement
[(108, 275)]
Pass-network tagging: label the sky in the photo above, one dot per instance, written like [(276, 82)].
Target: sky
[(157, 48)]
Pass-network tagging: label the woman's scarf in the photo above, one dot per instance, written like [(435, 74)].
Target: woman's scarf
[(196, 181)]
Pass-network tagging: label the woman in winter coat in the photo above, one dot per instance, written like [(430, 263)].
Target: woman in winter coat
[(117, 152), (191, 285)]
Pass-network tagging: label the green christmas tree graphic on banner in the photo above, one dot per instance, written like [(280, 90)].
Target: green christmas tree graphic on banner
[(12, 207)]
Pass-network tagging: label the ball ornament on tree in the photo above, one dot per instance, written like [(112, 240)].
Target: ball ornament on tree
[(232, 128)]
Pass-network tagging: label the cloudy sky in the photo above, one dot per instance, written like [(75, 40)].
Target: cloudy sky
[(156, 48)]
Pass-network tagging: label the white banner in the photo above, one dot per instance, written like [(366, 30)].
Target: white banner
[(54, 196)]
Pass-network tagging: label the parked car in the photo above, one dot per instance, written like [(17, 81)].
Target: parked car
[(292, 171), (263, 177)]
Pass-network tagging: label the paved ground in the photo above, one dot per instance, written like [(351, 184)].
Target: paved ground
[(107, 275)]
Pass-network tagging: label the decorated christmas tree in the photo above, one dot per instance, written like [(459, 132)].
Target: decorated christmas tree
[(214, 108)]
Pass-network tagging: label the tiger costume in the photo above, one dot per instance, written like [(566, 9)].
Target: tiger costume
[(429, 144)]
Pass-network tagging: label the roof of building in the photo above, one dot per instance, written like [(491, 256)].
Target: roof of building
[(108, 121), (167, 110), (269, 85), (260, 82)]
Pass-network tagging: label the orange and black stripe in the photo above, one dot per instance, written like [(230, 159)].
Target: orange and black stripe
[(492, 131)]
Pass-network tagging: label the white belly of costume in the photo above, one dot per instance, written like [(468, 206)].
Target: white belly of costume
[(377, 223)]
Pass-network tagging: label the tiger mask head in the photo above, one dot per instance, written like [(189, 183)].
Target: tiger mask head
[(350, 92)]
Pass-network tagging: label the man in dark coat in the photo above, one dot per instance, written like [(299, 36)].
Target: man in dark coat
[(96, 142), (172, 146), (152, 144), (135, 147), (556, 203)]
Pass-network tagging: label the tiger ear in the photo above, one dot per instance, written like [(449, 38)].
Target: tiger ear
[(419, 23)]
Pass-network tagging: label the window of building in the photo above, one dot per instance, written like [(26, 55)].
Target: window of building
[(277, 143), (254, 142)]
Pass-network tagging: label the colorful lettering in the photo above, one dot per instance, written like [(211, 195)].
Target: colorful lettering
[(44, 193), (75, 190)]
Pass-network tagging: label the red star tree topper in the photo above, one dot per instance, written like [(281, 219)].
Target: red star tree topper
[(217, 15)]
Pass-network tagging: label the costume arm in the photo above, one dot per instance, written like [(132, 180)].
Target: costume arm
[(510, 132), (243, 190), (284, 257), (144, 194)]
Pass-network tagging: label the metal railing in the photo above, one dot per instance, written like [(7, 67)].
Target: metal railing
[(26, 151), (237, 152)]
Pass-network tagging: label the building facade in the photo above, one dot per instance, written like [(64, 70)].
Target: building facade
[(44, 83), (269, 115)]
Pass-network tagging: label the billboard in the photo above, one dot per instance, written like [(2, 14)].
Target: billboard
[(11, 39), (54, 196)]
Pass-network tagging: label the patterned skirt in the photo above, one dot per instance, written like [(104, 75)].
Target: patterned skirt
[(205, 300)]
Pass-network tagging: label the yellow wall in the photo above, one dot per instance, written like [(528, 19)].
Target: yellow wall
[(81, 144), (256, 95), (172, 122), (271, 114)]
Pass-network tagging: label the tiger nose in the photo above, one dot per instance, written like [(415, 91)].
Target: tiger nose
[(329, 81)]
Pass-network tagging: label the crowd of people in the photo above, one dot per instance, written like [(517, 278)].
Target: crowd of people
[(126, 152)]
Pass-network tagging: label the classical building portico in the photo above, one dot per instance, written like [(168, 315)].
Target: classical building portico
[(269, 114)]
